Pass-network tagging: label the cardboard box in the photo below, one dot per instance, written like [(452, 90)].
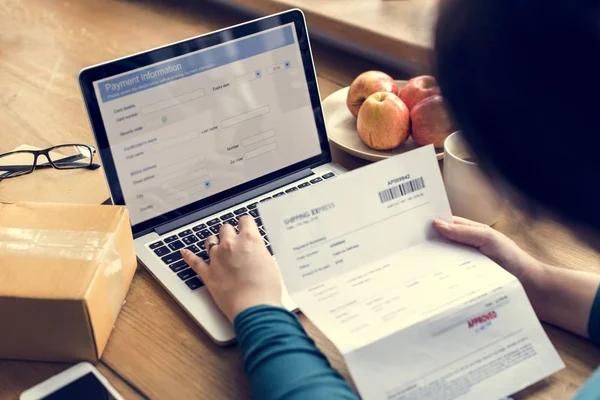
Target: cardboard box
[(64, 273)]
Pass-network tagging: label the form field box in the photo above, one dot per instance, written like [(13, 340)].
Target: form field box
[(257, 138), (153, 124), (257, 112), (175, 169), (247, 77), (174, 141), (260, 151), (173, 101), (186, 180), (278, 67), (187, 194)]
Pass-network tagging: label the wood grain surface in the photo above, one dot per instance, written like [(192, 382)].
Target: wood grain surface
[(401, 29), (155, 346)]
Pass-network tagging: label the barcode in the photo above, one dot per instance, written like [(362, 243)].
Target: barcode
[(401, 190)]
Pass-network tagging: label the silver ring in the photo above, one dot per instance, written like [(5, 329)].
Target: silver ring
[(210, 245)]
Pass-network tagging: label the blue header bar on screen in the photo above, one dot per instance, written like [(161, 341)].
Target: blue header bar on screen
[(160, 74)]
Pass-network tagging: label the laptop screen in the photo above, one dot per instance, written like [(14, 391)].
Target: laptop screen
[(192, 126)]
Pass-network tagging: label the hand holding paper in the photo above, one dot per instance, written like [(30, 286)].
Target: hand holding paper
[(415, 316)]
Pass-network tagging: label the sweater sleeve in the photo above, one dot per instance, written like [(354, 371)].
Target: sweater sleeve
[(281, 361), (591, 389)]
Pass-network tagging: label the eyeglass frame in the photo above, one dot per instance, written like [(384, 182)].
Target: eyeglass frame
[(50, 163)]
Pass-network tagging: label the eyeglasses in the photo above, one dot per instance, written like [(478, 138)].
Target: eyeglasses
[(64, 156)]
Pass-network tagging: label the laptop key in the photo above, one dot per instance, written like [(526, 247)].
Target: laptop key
[(202, 244), (270, 249), (265, 240), (185, 233), (226, 216), (203, 255), (232, 222), (194, 283), (303, 185), (213, 221), (176, 245), (266, 199), (262, 233), (254, 213), (171, 239), (290, 190), (190, 239), (199, 227), (178, 266), (186, 274), (252, 206), (316, 180), (215, 228), (328, 175), (204, 234), (156, 245), (161, 251), (258, 222), (171, 258), (193, 248), (278, 194), (240, 211)]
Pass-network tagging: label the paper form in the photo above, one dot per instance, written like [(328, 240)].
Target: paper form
[(414, 315)]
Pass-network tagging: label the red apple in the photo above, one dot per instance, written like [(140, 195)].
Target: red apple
[(431, 122), (383, 121), (418, 89), (365, 85)]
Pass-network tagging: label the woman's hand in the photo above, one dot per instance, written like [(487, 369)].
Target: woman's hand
[(242, 273), (559, 296), (493, 244)]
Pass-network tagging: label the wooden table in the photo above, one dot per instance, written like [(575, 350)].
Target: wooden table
[(399, 29), (155, 349)]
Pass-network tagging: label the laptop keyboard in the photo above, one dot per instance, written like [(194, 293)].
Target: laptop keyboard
[(168, 248)]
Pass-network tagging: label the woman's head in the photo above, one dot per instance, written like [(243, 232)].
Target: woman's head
[(522, 79)]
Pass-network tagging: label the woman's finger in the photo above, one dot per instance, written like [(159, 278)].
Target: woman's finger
[(248, 225), (211, 242), (472, 235), (464, 221), (196, 263), (226, 232)]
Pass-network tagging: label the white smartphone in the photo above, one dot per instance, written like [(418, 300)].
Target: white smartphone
[(82, 381)]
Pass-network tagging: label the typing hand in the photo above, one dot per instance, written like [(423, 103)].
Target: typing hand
[(242, 273), (492, 243)]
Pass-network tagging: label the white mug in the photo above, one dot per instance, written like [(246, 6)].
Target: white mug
[(470, 193)]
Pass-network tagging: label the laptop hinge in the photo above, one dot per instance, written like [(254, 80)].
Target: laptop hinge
[(230, 202)]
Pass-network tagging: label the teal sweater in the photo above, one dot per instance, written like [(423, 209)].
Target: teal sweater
[(282, 362)]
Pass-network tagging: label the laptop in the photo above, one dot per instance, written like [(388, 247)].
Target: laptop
[(193, 135)]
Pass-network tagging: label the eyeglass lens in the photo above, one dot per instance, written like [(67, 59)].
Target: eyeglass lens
[(16, 164), (71, 156)]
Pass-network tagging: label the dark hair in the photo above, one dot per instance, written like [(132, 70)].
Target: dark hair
[(522, 79)]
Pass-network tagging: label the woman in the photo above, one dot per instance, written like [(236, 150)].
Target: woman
[(521, 80)]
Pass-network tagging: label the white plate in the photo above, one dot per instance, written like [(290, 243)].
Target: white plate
[(341, 129)]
